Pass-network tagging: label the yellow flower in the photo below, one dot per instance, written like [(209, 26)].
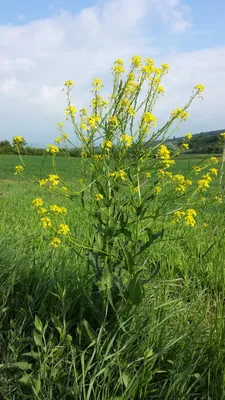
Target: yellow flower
[(71, 110), (179, 113), (214, 171), (200, 88), (188, 136), (97, 156), (107, 145), (126, 139), (148, 119), (97, 84), (222, 135), (65, 136), (60, 125), (134, 189), (160, 90), (189, 219), (136, 61), (51, 149), (43, 182), (58, 139), (184, 146), (197, 169), (63, 229), (18, 139), (83, 112), (93, 120), (69, 83), (204, 182), (205, 225), (38, 202), (118, 67), (46, 222), (178, 216), (99, 102), (165, 68), (113, 121), (219, 199), (98, 197), (148, 174), (55, 242), (19, 169), (163, 152), (180, 182), (65, 189), (53, 179), (118, 174), (214, 160), (157, 190), (58, 210), (42, 210)]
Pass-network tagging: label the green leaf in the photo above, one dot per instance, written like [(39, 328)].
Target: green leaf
[(25, 379), (91, 333), (21, 365), (38, 324), (38, 340), (125, 379), (135, 288)]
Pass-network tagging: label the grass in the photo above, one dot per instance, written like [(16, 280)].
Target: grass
[(54, 342)]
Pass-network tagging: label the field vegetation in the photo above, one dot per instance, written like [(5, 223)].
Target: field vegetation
[(112, 264)]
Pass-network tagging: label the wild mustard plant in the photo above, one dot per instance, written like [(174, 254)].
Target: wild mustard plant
[(130, 192)]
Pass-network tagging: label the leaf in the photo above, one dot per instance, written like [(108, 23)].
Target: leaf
[(125, 379), (135, 289), (25, 379), (152, 237), (38, 340), (21, 365), (91, 333), (38, 324)]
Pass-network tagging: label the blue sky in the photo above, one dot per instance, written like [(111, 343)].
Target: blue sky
[(43, 43)]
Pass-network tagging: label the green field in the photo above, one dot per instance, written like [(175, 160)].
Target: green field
[(52, 345)]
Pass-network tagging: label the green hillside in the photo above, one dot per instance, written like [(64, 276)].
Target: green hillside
[(204, 142)]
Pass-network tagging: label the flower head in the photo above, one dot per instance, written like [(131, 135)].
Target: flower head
[(188, 136), (113, 121), (58, 139), (69, 83), (189, 219), (136, 61), (38, 202), (63, 229), (126, 139), (71, 111), (200, 88), (18, 139), (51, 149), (46, 222), (214, 160), (118, 68), (19, 169), (179, 113), (98, 197), (55, 242), (97, 84), (222, 135), (106, 145)]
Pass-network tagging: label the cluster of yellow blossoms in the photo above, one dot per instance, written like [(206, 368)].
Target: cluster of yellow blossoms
[(180, 182), (51, 149), (189, 217), (19, 169), (62, 229), (118, 174), (50, 182), (126, 139), (164, 155), (179, 113), (18, 140)]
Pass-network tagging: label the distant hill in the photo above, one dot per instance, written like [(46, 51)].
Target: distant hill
[(204, 142)]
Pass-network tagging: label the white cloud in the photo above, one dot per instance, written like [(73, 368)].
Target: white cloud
[(36, 59)]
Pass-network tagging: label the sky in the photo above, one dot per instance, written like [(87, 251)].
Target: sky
[(43, 43)]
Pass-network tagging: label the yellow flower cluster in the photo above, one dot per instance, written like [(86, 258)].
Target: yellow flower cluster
[(58, 210), (55, 242), (222, 135), (42, 210), (58, 139), (179, 113), (214, 160), (197, 169), (204, 182), (148, 120), (98, 197), (51, 181), (38, 202), (99, 102), (180, 182), (136, 61), (126, 139), (118, 174), (51, 149), (184, 146), (46, 222), (188, 136), (97, 84), (160, 90), (106, 145), (113, 121), (200, 88), (18, 139), (149, 67), (63, 229), (93, 120), (65, 136), (214, 171), (71, 110), (189, 219), (157, 189), (69, 83), (118, 68), (19, 169), (163, 153)]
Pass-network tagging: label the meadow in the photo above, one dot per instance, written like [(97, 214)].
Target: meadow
[(54, 343)]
